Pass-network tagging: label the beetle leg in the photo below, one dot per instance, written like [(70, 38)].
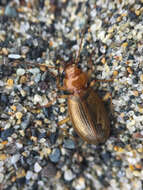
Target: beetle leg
[(64, 121), (92, 83), (66, 134), (52, 101)]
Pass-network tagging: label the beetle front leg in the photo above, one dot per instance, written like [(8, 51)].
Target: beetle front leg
[(92, 83), (52, 101)]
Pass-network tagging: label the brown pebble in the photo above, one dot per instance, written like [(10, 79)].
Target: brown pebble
[(129, 70), (141, 77), (23, 79), (136, 93), (103, 60), (10, 82), (115, 73), (3, 157)]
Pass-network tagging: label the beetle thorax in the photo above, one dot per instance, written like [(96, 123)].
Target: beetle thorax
[(75, 79)]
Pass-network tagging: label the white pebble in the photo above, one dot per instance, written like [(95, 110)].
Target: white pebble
[(15, 158), (29, 175), (68, 175), (34, 71), (19, 145), (20, 72), (37, 99), (37, 167), (14, 56)]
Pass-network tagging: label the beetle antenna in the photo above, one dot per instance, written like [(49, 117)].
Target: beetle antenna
[(80, 46)]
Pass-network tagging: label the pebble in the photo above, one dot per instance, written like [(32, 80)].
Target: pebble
[(37, 167), (14, 56), (11, 149), (96, 26), (29, 175), (10, 82), (55, 155), (34, 71), (68, 175), (6, 133), (15, 158), (79, 184), (37, 77), (69, 144), (37, 99), (10, 11), (20, 72), (18, 115), (53, 137), (1, 177), (141, 77), (3, 157), (49, 171)]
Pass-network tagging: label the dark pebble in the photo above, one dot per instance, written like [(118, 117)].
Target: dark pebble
[(120, 144), (3, 100), (103, 181), (69, 144), (11, 149), (53, 137), (20, 181), (117, 163), (42, 135), (5, 71), (106, 157), (50, 79), (48, 112), (132, 15), (6, 133), (26, 121), (55, 155), (34, 186), (60, 164), (30, 161), (49, 171), (117, 15)]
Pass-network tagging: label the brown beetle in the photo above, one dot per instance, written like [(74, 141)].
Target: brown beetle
[(86, 109)]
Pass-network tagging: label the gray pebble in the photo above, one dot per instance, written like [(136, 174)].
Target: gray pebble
[(49, 171), (69, 144), (55, 155)]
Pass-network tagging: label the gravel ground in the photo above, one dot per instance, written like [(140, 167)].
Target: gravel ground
[(34, 153)]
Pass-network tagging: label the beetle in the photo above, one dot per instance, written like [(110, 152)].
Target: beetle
[(86, 109)]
